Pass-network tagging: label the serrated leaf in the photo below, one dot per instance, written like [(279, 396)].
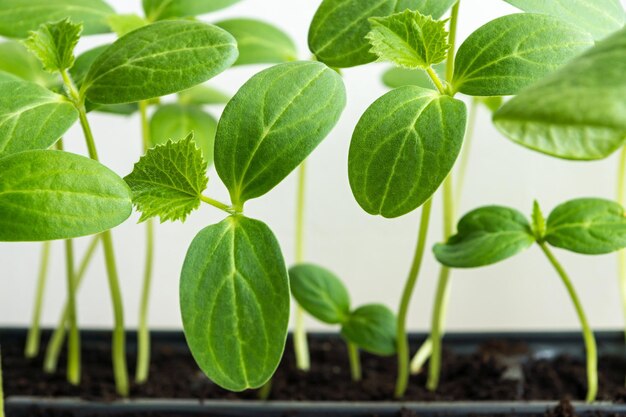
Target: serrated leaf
[(259, 42), (149, 61), (17, 60), (175, 121), (172, 9), (234, 300), (168, 180), (19, 17), (31, 116), (202, 95), (511, 52), (122, 24), (597, 17), (273, 123), (591, 226), (47, 195), (402, 149), (409, 39), (486, 236), (372, 327), (399, 77), (54, 43), (320, 293), (577, 112)]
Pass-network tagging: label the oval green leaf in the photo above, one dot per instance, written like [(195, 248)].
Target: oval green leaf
[(320, 293), (31, 116), (273, 123), (486, 236), (19, 17), (234, 300), (149, 62), (576, 113), (511, 52), (259, 42), (202, 95), (18, 61), (47, 195), (591, 226), (402, 149), (372, 328), (171, 9)]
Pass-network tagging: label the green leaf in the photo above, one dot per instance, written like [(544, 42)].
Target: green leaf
[(168, 180), (47, 195), (273, 123), (577, 112), (54, 43), (590, 226), (31, 117), (399, 77), (149, 61), (234, 300), (171, 9), (84, 62), (259, 42), (493, 103), (17, 60), (122, 24), (598, 17), (320, 293), (19, 17), (202, 95), (409, 39), (486, 236), (511, 52), (372, 328), (174, 121), (433, 8), (402, 149)]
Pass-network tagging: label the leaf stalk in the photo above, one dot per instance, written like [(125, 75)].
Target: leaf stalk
[(34, 332)]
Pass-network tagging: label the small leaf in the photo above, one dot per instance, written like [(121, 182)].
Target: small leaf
[(234, 300), (54, 43), (174, 121), (168, 180), (47, 195), (539, 222), (171, 9), (122, 24), (577, 112), (402, 149), (149, 61), (597, 17), (372, 328), (273, 123), (486, 236), (399, 77), (511, 52), (493, 103), (31, 117), (320, 293), (590, 226), (259, 42), (202, 95), (17, 60), (19, 17), (409, 39)]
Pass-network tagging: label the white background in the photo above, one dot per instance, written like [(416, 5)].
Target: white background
[(371, 254)]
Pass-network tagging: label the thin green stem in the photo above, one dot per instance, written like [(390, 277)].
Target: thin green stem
[(58, 336), (590, 341), (433, 76), (73, 346), (218, 204), (465, 152), (621, 255), (402, 339), (300, 343), (264, 392), (355, 361), (454, 18), (1, 389), (34, 332)]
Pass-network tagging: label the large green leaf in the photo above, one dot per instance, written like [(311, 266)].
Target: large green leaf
[(234, 300), (320, 293), (598, 17), (259, 42), (372, 327), (17, 60), (273, 123), (168, 9), (54, 43), (579, 112), (47, 195), (19, 17), (511, 52), (159, 59), (587, 225), (402, 149), (31, 117), (486, 236), (83, 63)]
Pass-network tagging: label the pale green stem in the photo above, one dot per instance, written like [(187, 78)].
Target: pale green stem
[(403, 310), (590, 341), (58, 336), (621, 255), (1, 389), (34, 332), (355, 361), (300, 343), (465, 152), (73, 346), (265, 391), (218, 204), (433, 76)]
